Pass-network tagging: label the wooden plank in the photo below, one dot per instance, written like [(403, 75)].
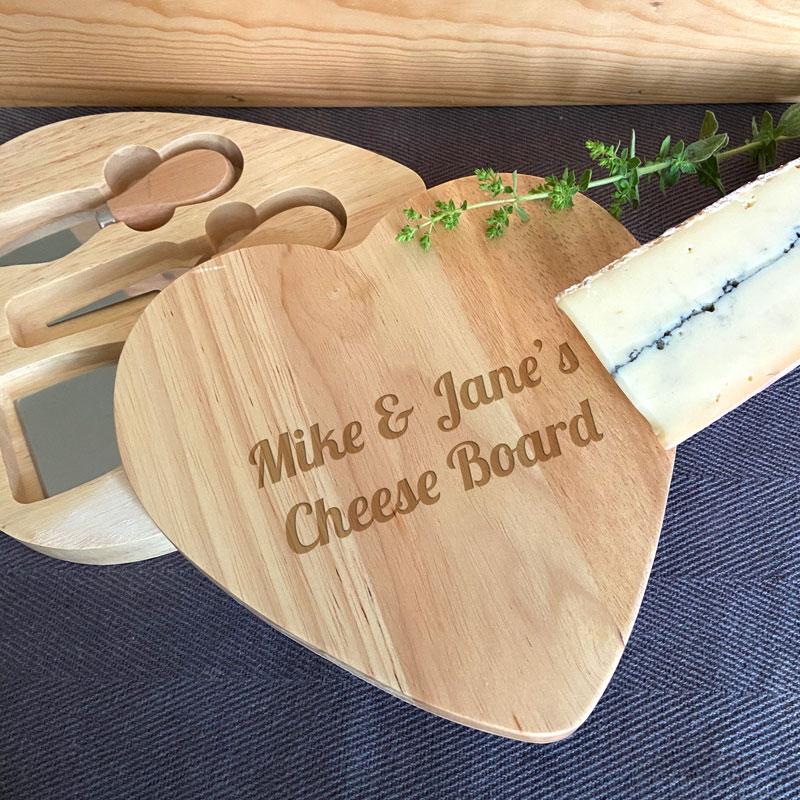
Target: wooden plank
[(427, 52), (502, 600), (293, 187)]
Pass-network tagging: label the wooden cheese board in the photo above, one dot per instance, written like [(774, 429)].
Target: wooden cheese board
[(286, 186), (409, 462)]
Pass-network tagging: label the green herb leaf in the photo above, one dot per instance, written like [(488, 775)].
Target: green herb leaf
[(490, 181), (766, 151), (406, 234), (767, 126), (789, 123), (710, 125), (497, 223), (560, 191), (705, 148), (425, 242), (446, 213), (708, 168), (622, 165), (522, 213), (708, 174)]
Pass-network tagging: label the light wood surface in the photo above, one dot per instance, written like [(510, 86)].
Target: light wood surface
[(505, 605), (290, 187), (318, 52)]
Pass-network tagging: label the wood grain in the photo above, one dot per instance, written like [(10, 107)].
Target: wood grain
[(291, 187), (504, 605), (326, 53)]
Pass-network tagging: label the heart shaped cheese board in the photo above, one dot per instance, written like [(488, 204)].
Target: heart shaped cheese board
[(410, 462)]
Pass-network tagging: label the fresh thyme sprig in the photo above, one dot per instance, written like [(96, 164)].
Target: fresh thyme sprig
[(625, 169)]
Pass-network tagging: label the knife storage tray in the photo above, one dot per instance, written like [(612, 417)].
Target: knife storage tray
[(295, 187)]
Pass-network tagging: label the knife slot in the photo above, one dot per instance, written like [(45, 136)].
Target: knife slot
[(28, 313), (304, 214), (128, 164), (19, 461)]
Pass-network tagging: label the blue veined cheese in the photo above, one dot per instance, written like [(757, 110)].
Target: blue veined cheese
[(695, 322)]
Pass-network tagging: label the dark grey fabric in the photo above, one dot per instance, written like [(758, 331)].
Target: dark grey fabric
[(145, 681)]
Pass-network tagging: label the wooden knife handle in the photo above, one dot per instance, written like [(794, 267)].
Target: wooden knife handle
[(183, 179)]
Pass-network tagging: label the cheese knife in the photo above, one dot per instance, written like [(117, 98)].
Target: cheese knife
[(190, 177), (247, 237)]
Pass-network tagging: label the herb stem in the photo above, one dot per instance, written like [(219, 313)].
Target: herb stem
[(624, 171), (505, 199), (746, 148), (647, 169)]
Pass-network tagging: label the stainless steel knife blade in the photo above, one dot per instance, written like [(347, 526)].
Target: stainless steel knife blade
[(120, 296), (57, 238)]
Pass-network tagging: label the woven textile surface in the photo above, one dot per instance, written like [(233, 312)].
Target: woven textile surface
[(146, 681)]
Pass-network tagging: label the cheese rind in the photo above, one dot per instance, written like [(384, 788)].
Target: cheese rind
[(694, 323)]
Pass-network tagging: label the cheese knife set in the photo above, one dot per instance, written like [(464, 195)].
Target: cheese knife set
[(446, 471)]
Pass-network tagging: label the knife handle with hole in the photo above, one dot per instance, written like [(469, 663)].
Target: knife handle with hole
[(184, 179)]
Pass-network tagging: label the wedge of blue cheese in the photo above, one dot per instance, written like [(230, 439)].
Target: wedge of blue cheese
[(692, 324)]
